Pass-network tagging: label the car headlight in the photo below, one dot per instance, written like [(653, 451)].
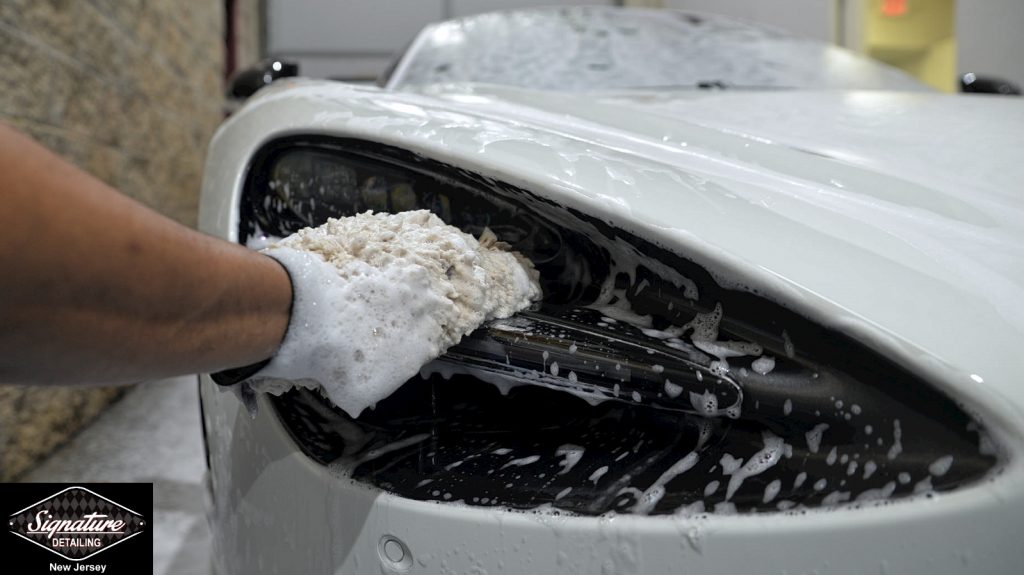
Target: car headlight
[(824, 419)]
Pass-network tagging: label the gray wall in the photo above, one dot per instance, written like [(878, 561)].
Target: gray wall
[(356, 39), (990, 38), (808, 18)]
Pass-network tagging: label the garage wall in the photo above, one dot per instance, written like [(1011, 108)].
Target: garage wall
[(129, 90), (356, 39), (807, 18), (990, 38)]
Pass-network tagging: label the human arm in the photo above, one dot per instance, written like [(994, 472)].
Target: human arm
[(97, 288)]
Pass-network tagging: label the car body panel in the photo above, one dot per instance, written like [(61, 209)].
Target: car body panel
[(725, 186), (892, 216), (276, 511)]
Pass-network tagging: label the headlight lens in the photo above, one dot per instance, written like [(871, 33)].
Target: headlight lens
[(825, 420)]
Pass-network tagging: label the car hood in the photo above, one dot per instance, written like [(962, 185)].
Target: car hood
[(894, 217)]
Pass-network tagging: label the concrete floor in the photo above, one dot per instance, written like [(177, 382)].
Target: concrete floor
[(151, 435)]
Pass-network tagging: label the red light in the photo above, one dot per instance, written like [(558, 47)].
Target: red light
[(894, 7)]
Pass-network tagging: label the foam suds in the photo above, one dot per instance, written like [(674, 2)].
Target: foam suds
[(772, 490), (878, 494), (711, 488), (763, 365), (521, 462), (835, 498), (923, 486), (705, 403), (758, 463), (672, 390), (869, 469), (388, 448), (897, 444), (377, 296), (653, 494), (598, 473), (814, 437), (621, 313), (572, 455), (941, 466)]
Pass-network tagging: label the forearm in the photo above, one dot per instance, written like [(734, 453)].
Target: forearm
[(98, 288)]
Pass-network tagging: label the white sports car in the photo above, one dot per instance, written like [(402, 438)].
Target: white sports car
[(782, 330)]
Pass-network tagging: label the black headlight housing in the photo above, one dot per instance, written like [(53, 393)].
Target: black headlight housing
[(833, 423)]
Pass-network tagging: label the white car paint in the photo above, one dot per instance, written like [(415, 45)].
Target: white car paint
[(894, 217)]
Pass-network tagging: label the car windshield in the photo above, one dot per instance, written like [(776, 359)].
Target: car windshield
[(601, 48)]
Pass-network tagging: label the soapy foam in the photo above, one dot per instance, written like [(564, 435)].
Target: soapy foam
[(572, 455), (377, 296), (814, 437), (597, 474), (672, 390), (653, 494), (522, 461), (711, 488), (924, 486), (758, 463), (941, 466), (897, 444), (763, 365), (869, 469)]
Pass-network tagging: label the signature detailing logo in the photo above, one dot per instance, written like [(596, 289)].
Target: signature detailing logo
[(76, 523)]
